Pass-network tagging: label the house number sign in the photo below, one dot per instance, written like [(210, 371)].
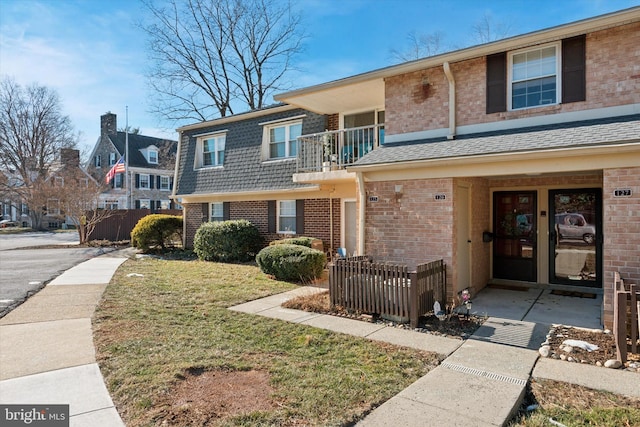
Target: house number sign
[(622, 192), (373, 199), (440, 196)]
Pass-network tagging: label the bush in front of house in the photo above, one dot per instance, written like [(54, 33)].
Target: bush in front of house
[(227, 241), (300, 240), (156, 231), (292, 263)]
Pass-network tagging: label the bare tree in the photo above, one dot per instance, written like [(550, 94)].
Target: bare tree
[(420, 46), (32, 132), (209, 54), (487, 30)]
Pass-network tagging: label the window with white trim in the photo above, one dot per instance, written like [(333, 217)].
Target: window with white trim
[(144, 181), (119, 181), (144, 204), (283, 139), (98, 161), (164, 204), (111, 204), (217, 212), (534, 77), (287, 216), (152, 156), (53, 207), (112, 159), (210, 150), (165, 183)]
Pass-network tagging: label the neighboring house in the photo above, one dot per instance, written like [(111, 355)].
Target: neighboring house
[(148, 181), (66, 166), (476, 156)]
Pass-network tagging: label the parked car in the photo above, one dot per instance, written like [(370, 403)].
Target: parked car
[(575, 226), (8, 223)]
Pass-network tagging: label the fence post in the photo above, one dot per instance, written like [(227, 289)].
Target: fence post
[(620, 325), (413, 300), (634, 317)]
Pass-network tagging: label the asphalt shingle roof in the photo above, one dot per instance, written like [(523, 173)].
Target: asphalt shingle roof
[(587, 133), (166, 149)]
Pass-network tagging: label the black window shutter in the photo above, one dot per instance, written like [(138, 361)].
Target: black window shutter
[(137, 204), (271, 216), (170, 183), (574, 69), (152, 180), (299, 216), (137, 180), (153, 205), (113, 182), (158, 181), (226, 211), (497, 82), (205, 212)]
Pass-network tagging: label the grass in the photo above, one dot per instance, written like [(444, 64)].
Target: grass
[(150, 330)]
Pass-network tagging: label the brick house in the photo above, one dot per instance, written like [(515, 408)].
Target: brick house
[(517, 162), (148, 181)]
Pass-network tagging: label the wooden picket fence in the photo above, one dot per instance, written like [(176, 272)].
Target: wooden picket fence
[(390, 290), (626, 319)]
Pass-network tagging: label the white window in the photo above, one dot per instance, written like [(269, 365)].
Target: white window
[(145, 203), (287, 216), (165, 183), (111, 204), (144, 181), (153, 156), (119, 181), (98, 161), (164, 204), (211, 150), (53, 207), (112, 159), (534, 77), (24, 209), (217, 212), (283, 139)]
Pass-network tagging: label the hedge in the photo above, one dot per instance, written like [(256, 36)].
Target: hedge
[(156, 231), (293, 263), (227, 241)]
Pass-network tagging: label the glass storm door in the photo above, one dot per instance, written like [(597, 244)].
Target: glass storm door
[(515, 231), (576, 240)]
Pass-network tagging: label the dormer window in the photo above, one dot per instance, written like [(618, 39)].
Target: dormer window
[(280, 138), (152, 157), (210, 150)]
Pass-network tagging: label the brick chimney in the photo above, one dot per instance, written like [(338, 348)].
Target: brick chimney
[(70, 157), (108, 124)]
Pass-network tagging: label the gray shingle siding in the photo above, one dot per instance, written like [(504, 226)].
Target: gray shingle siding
[(243, 168), (574, 134)]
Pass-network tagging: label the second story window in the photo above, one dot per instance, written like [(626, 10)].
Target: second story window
[(144, 181), (210, 151), (153, 157), (165, 183), (283, 140), (112, 159), (534, 77), (98, 161)]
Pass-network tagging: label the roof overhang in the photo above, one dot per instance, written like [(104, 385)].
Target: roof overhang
[(366, 91)]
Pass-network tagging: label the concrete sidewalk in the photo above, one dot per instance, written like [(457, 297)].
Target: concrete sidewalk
[(480, 382), (47, 354)]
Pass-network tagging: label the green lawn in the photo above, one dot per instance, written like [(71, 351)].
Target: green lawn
[(150, 331)]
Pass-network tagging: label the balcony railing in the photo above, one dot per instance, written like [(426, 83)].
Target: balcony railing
[(333, 150)]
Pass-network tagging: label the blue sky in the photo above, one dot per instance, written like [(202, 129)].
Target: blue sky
[(94, 56)]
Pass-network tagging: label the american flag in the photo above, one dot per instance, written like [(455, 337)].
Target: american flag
[(117, 168)]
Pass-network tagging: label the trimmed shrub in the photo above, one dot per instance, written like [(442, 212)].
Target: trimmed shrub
[(227, 241), (156, 231), (293, 263), (301, 240)]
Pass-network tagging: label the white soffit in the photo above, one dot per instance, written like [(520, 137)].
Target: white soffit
[(353, 97)]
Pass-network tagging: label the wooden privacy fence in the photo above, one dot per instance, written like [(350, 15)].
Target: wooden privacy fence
[(118, 227), (386, 289), (626, 319)]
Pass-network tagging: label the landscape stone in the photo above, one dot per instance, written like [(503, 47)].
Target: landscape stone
[(613, 364)]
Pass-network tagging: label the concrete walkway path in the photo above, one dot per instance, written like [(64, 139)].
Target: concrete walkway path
[(47, 355), (481, 381)]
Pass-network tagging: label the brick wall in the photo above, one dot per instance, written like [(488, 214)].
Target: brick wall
[(413, 229), (621, 230), (316, 222), (613, 78)]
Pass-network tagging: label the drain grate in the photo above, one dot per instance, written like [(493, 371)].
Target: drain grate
[(485, 374)]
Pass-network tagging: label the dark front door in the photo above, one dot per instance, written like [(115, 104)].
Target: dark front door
[(515, 231), (575, 222)]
